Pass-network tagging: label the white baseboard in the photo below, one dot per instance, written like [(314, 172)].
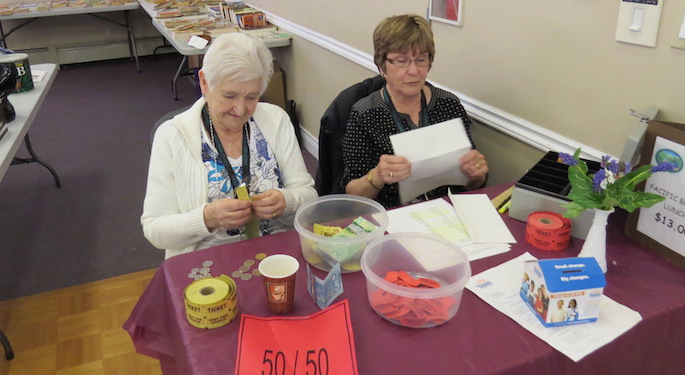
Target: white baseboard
[(310, 143), (70, 54), (514, 126)]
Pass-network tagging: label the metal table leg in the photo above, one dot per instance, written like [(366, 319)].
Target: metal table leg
[(181, 66), (35, 159), (9, 354), (132, 50)]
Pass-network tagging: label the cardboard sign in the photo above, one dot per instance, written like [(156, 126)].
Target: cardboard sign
[(321, 343), (666, 229)]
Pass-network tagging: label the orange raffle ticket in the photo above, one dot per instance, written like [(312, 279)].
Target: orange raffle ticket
[(411, 312)]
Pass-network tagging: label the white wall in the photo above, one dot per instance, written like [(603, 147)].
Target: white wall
[(550, 67), (547, 73)]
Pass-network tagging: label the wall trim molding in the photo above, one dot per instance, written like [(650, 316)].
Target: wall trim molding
[(507, 123)]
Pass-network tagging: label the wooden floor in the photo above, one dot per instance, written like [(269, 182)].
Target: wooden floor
[(76, 330)]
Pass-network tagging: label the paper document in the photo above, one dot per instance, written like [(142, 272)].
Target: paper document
[(38, 75), (434, 152), (437, 217), (480, 218), (499, 287), (197, 42)]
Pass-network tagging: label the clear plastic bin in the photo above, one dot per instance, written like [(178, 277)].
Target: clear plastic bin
[(338, 210), (439, 267)]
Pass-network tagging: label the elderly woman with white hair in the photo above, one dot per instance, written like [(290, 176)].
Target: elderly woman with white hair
[(225, 147)]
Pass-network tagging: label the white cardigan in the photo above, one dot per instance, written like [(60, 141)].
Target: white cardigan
[(177, 188)]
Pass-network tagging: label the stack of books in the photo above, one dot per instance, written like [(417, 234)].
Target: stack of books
[(8, 9), (184, 28), (244, 16)]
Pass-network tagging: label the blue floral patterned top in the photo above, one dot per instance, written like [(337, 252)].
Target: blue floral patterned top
[(265, 173)]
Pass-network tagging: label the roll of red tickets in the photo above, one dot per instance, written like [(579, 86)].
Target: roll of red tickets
[(548, 231)]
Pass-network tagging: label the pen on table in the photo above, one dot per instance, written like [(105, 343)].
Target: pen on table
[(504, 206)]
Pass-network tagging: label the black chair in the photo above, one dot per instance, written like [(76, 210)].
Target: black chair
[(165, 118), (333, 125)]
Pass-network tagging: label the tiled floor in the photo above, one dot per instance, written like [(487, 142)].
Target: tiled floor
[(76, 330)]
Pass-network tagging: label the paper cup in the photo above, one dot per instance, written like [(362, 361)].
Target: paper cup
[(279, 273), (24, 78)]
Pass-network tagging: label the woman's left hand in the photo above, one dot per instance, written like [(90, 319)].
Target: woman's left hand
[(475, 167), (268, 205)]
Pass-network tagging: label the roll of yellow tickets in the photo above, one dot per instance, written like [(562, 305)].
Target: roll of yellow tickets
[(211, 302)]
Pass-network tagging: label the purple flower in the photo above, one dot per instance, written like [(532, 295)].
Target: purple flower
[(598, 179), (567, 159), (627, 167), (665, 166), (613, 166), (606, 160)]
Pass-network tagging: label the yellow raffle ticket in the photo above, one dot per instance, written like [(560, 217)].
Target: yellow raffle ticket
[(252, 227), (211, 302)]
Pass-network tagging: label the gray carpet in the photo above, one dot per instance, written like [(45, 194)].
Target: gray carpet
[(94, 129)]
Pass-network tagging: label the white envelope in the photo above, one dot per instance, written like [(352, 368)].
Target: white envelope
[(434, 152), (481, 219)]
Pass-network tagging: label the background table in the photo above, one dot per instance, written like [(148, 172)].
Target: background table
[(26, 105), (92, 11), (186, 50), (479, 340)]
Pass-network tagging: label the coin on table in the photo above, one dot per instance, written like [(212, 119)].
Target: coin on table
[(244, 268), (195, 270), (246, 276), (249, 263), (198, 277), (192, 275), (204, 271), (237, 273), (260, 256), (207, 263), (256, 273)]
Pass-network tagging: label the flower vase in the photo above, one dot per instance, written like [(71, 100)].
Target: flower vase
[(596, 241)]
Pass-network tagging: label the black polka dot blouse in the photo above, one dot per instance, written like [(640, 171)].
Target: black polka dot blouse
[(368, 137)]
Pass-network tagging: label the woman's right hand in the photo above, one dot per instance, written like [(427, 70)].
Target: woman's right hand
[(392, 169), (227, 213)]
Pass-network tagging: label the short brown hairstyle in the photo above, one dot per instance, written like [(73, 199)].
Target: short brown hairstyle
[(402, 34)]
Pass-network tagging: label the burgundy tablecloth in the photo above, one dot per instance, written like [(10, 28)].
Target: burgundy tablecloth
[(479, 340)]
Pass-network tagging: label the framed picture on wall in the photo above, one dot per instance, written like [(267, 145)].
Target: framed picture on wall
[(448, 11)]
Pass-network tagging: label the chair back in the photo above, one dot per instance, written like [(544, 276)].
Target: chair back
[(166, 117), (332, 131)]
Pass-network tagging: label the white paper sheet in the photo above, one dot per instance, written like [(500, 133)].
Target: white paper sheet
[(437, 217), (481, 219), (38, 75), (434, 152), (197, 42), (499, 287)]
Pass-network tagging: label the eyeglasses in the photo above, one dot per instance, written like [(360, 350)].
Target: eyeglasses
[(404, 61)]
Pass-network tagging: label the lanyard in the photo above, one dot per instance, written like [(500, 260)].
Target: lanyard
[(209, 126), (423, 121)]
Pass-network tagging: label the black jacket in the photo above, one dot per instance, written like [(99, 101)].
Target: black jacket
[(332, 131)]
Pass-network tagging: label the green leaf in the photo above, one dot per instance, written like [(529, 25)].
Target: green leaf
[(581, 189), (633, 178), (639, 199), (573, 209)]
